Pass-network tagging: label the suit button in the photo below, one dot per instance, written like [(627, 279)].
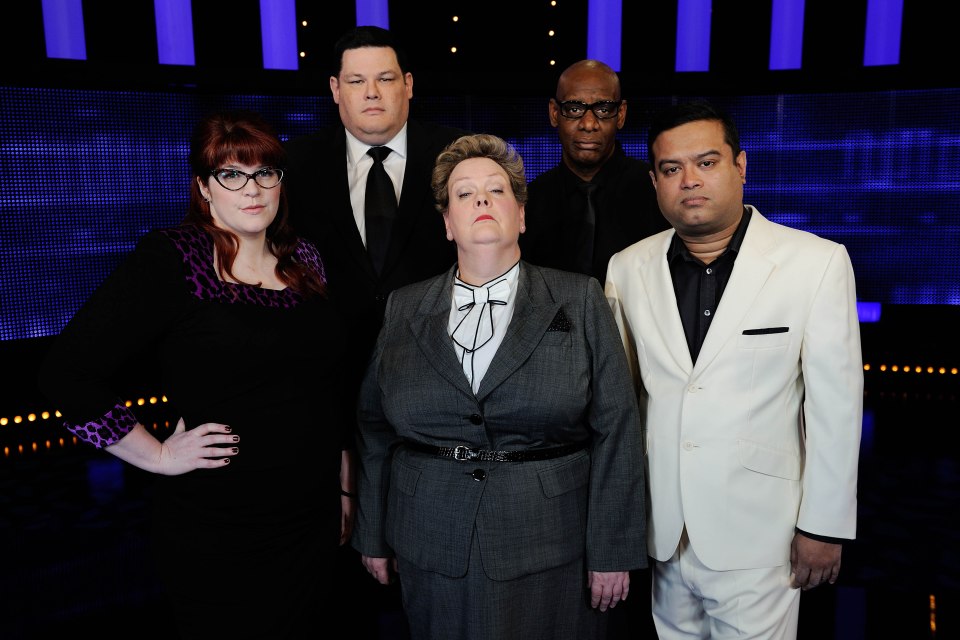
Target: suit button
[(380, 297), (476, 419), (479, 474), (693, 388), (689, 446)]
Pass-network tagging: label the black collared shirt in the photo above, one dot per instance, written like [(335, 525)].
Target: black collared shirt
[(699, 286), (626, 209)]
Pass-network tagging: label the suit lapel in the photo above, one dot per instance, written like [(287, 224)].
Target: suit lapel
[(416, 174), (750, 271), (430, 328), (344, 222), (662, 302), (533, 311)]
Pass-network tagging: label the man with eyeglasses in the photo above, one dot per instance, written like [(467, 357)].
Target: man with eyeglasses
[(597, 200)]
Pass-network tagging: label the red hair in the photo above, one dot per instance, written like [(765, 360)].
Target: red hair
[(244, 137)]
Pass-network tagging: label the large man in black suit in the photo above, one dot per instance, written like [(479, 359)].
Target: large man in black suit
[(327, 173), (597, 200), (326, 178)]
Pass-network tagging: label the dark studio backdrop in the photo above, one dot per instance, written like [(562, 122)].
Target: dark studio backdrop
[(93, 155), (93, 152)]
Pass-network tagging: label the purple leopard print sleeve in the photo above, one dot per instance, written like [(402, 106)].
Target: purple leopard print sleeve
[(196, 248), (308, 256), (107, 430)]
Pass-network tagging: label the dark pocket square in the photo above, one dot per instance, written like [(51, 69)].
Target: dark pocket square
[(759, 332), (560, 322)]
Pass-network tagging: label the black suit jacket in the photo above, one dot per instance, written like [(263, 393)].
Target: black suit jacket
[(625, 204), (319, 197)]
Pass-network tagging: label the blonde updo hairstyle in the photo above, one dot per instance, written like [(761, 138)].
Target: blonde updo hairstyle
[(480, 145)]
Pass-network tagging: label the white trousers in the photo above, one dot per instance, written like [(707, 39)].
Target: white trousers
[(691, 600)]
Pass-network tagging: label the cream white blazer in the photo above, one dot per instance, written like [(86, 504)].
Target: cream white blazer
[(763, 434)]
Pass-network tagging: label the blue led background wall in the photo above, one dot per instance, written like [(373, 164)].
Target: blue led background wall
[(87, 173), (93, 151)]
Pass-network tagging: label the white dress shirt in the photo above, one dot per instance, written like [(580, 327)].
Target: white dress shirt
[(358, 166), (476, 363)]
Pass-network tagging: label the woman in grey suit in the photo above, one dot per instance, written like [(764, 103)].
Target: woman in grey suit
[(499, 438)]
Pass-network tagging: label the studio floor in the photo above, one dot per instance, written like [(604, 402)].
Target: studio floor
[(74, 558)]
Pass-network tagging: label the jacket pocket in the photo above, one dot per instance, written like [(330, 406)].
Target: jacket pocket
[(765, 330), (555, 339), (537, 530), (769, 461), (567, 476), (405, 478), (771, 340)]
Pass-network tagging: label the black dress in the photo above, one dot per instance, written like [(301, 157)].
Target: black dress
[(246, 550)]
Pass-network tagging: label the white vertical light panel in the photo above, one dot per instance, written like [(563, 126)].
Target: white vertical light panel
[(374, 13), (604, 31), (63, 29), (174, 32), (884, 26), (786, 35), (278, 25), (693, 35)]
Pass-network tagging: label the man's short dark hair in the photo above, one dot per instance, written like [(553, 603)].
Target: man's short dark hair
[(686, 112), (366, 36)]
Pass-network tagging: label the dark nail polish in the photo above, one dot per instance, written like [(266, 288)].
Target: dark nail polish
[(236, 450), (236, 438)]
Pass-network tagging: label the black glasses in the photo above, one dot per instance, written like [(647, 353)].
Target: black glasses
[(604, 110), (234, 179)]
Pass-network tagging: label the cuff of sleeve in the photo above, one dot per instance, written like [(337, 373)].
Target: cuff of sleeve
[(107, 429), (820, 538)]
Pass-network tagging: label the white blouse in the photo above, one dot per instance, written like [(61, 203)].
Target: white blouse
[(479, 317)]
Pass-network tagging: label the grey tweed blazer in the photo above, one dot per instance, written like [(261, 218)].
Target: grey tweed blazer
[(560, 376)]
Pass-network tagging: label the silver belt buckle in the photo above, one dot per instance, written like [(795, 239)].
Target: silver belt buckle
[(463, 452)]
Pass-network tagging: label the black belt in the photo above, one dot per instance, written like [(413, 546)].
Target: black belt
[(463, 452)]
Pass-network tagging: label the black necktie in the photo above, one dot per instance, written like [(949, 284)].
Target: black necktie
[(587, 233), (379, 207)]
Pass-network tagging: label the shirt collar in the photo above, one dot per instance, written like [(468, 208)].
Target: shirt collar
[(678, 249), (510, 275), (357, 150), (609, 167)]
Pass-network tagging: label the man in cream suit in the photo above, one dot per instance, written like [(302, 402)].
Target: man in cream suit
[(744, 343)]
